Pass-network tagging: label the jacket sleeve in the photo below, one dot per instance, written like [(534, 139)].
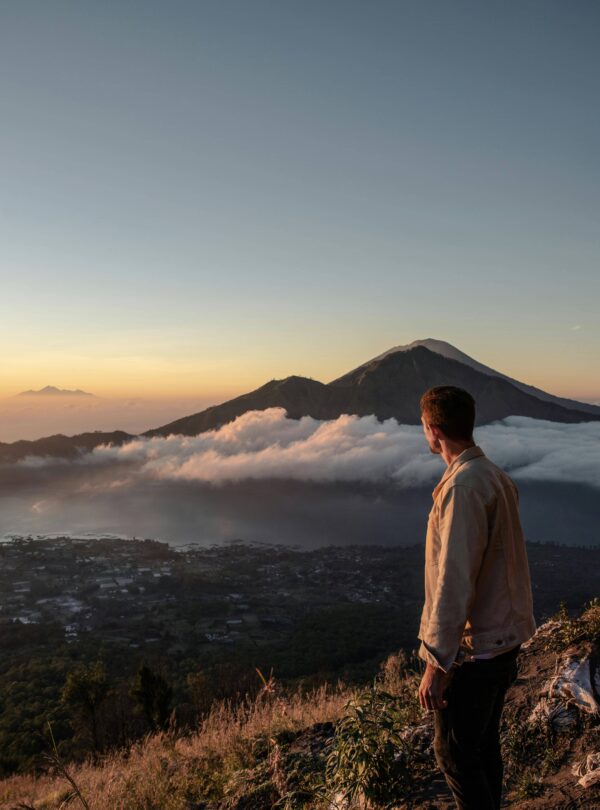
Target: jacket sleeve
[(463, 531)]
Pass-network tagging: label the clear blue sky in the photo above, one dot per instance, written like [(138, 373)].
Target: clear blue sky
[(197, 197)]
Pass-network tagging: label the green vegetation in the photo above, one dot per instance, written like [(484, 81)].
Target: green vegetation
[(84, 693), (117, 698), (370, 759), (530, 752), (153, 695), (574, 629)]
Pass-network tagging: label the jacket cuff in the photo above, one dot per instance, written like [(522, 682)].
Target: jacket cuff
[(432, 656)]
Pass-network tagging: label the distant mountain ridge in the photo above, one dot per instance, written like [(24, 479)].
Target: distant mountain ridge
[(53, 391), (388, 386), (60, 446)]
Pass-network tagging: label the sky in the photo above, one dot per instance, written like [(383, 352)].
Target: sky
[(198, 197)]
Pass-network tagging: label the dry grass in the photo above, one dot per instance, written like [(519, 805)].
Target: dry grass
[(168, 770)]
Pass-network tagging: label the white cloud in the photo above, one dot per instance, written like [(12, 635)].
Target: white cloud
[(538, 450), (266, 444)]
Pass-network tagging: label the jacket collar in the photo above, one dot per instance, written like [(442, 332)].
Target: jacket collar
[(466, 455)]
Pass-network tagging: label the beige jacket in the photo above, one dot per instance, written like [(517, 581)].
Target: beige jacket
[(477, 585)]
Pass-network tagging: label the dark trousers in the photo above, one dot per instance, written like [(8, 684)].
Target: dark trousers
[(467, 730)]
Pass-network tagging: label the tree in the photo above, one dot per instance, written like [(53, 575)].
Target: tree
[(85, 689), (153, 695), (201, 691)]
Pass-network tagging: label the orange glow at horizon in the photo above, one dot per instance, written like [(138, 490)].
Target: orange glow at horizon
[(163, 382)]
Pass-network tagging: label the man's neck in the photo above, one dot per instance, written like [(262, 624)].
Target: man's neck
[(452, 450)]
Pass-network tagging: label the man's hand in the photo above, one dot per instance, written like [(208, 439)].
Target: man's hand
[(432, 686)]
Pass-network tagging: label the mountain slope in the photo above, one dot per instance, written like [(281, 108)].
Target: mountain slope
[(300, 396)]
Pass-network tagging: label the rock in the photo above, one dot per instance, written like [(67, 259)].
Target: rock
[(573, 683), (554, 713), (339, 803), (570, 689), (588, 770), (545, 629), (420, 738)]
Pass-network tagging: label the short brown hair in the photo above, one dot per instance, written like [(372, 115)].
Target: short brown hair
[(451, 409)]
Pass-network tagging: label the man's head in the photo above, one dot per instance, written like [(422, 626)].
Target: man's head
[(447, 414)]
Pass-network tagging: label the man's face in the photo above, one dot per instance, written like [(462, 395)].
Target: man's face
[(432, 440)]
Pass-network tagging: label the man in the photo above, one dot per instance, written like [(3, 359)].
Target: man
[(478, 606)]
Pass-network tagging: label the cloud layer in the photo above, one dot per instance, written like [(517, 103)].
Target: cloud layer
[(266, 444)]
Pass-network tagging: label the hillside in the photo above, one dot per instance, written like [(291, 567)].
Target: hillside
[(280, 749), (59, 446)]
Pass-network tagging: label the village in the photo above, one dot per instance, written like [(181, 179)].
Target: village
[(145, 594)]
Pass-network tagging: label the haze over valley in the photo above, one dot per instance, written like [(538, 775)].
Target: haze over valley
[(32, 417)]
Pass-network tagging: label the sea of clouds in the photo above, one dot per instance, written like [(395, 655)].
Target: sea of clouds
[(267, 444)]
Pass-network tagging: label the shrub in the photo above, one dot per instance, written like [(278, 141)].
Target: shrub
[(369, 758), (585, 627)]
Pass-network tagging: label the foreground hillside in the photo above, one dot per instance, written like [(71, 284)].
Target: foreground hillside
[(329, 748)]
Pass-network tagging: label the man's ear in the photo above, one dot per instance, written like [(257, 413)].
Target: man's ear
[(436, 432)]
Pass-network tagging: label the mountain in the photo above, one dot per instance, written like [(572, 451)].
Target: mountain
[(59, 446), (51, 390), (452, 353), (300, 396), (389, 385)]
